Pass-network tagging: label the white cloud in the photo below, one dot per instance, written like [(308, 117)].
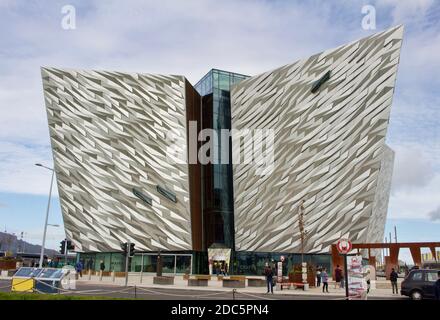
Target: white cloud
[(412, 168), (407, 10), (417, 203)]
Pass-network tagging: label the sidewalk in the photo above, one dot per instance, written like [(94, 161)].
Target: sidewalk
[(215, 285)]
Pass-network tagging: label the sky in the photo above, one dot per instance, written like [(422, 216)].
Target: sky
[(189, 38)]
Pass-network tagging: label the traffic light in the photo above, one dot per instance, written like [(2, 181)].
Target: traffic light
[(131, 253), (124, 247), (63, 247), (70, 246)]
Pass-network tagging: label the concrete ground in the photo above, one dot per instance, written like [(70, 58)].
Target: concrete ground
[(180, 290)]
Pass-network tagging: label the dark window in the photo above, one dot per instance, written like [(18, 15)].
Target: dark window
[(417, 276), (142, 196), (431, 276), (320, 82), (167, 194)]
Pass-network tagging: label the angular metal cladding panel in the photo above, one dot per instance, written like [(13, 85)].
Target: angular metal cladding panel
[(109, 136), (376, 229), (327, 146)]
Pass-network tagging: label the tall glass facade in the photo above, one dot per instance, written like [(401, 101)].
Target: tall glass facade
[(217, 198)]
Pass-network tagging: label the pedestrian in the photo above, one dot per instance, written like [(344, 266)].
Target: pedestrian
[(437, 287), (324, 278), (226, 269), (338, 276), (393, 279), (222, 269), (318, 277), (102, 266), (268, 272), (79, 268)]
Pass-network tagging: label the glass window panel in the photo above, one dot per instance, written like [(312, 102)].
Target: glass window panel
[(136, 263), (167, 263), (150, 263), (431, 276), (166, 193), (183, 264), (215, 79), (117, 262), (103, 257), (223, 82), (417, 276)]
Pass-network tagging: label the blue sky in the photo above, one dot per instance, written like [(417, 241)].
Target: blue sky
[(189, 38)]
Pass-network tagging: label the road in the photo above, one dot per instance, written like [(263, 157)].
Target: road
[(115, 291)]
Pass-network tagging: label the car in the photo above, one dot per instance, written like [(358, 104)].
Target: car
[(419, 284)]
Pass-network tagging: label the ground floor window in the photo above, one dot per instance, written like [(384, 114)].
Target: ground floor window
[(253, 263), (145, 262)]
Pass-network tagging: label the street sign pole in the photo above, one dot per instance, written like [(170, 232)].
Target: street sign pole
[(126, 262), (346, 275), (344, 246)]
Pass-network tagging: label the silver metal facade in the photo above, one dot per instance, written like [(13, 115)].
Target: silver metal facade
[(328, 148), (109, 135)]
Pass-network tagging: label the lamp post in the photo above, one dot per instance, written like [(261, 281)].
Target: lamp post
[(303, 236), (47, 214)]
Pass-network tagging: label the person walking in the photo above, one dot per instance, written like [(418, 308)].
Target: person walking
[(79, 268), (102, 266), (437, 287), (393, 279), (338, 276), (318, 277), (268, 272), (324, 278)]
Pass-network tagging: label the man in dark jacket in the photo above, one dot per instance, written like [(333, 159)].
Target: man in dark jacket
[(268, 272), (338, 276), (393, 279), (437, 287)]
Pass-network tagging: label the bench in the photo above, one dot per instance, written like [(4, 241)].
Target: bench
[(197, 282), (120, 274), (256, 282), (239, 278), (163, 280), (234, 283), (202, 277)]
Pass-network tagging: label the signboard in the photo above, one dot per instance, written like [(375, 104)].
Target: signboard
[(279, 272), (344, 246), (357, 284)]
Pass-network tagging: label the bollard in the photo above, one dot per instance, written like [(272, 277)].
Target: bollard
[(90, 274), (233, 293), (113, 275), (135, 293), (100, 275)]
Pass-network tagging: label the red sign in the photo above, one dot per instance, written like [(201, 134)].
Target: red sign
[(344, 246)]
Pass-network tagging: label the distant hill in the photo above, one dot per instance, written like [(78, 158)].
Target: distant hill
[(10, 242)]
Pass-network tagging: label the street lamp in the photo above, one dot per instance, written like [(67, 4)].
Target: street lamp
[(47, 213)]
